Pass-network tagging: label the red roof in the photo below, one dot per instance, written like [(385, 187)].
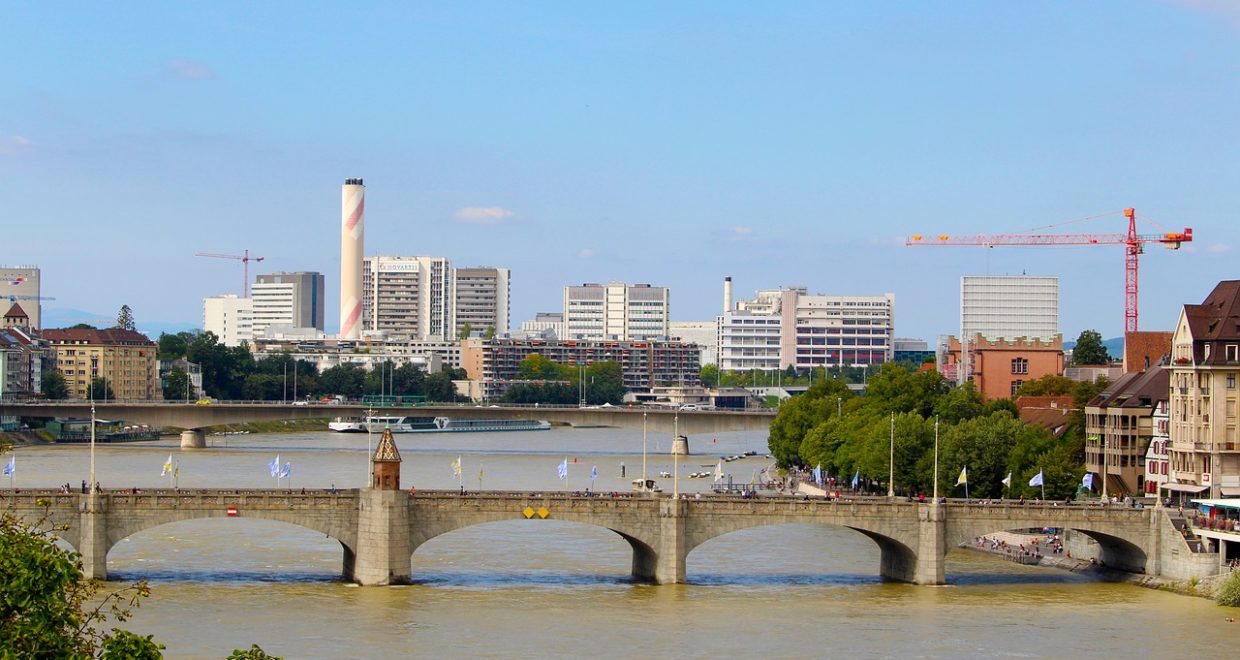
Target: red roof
[(114, 336)]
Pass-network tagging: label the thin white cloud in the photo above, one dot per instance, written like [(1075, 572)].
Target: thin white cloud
[(190, 70), (1228, 10), (738, 233), (13, 145), (21, 140), (1218, 248), (585, 253), (483, 215)]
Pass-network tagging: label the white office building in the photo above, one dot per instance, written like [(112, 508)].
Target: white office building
[(703, 333), (616, 311), (411, 297), (1009, 306), (548, 325), (19, 286), (482, 299), (287, 299), (229, 317), (747, 341)]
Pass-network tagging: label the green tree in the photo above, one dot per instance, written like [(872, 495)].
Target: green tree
[(800, 414), (253, 653), (48, 609), (1089, 349), (53, 385), (343, 379), (709, 374), (1229, 591), (263, 387), (124, 318), (466, 329), (101, 389), (439, 387), (983, 446), (537, 367), (959, 404), (605, 383), (177, 385), (82, 326), (173, 346), (489, 334)]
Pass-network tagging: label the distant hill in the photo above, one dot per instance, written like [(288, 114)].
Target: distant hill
[(64, 317), (1114, 346)]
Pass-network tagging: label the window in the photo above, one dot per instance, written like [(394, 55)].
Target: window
[(1231, 381), (1231, 351), (1020, 366), (1016, 386)]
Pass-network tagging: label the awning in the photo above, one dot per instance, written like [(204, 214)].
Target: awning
[(1230, 491), (1184, 488)]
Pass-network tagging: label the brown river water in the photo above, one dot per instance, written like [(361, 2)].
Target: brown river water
[(526, 589)]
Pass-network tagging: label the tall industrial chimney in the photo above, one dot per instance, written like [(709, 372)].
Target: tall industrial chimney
[(727, 294), (352, 235)]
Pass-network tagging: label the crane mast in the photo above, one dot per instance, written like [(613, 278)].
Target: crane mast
[(245, 260)]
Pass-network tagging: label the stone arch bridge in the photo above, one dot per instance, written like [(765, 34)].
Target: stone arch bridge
[(380, 529)]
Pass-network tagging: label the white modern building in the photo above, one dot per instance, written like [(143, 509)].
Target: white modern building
[(1009, 307), (482, 300), (549, 325), (19, 285), (409, 296), (229, 317), (703, 333), (616, 311), (747, 341), (287, 299)]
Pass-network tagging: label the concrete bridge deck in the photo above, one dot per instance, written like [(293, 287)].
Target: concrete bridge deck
[(380, 529)]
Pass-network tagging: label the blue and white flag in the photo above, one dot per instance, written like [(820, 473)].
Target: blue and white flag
[(1036, 480), (561, 470), (11, 466), (1088, 481), (593, 472), (286, 471), (856, 479), (818, 474), (274, 466)]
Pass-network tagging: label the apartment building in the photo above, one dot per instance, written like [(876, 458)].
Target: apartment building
[(1205, 362), (482, 300), (126, 359), (616, 312), (1119, 428)]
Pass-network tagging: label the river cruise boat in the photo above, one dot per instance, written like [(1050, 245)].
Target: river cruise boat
[(408, 424)]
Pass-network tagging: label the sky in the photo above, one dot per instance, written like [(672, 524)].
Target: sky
[(779, 143)]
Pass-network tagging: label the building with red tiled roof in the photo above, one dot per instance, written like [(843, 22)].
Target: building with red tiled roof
[(1145, 349), (125, 358), (1119, 424)]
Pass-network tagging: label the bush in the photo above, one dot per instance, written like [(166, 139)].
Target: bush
[(1229, 591)]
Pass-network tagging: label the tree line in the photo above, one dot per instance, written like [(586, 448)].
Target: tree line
[(554, 383), (852, 435)]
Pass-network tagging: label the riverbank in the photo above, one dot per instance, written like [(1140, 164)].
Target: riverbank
[(1018, 548)]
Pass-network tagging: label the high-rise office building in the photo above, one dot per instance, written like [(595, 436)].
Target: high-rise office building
[(19, 285), (482, 298), (1009, 307), (229, 317), (616, 311), (289, 299), (409, 296)]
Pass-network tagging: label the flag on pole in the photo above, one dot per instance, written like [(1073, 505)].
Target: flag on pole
[(274, 466), (1007, 481), (456, 467), (287, 471), (964, 476), (1036, 480), (480, 473), (593, 472), (176, 471), (167, 467), (818, 474), (856, 479), (1088, 481), (561, 470), (719, 471), (11, 466)]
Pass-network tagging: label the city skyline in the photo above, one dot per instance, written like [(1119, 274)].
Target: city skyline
[(794, 145)]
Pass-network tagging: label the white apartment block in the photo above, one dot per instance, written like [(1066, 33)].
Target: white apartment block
[(836, 331), (482, 299), (544, 323), (616, 311), (409, 296), (287, 299), (229, 317), (703, 333), (1009, 306), (788, 327)]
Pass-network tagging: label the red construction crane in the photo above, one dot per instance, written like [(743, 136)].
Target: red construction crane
[(1134, 245), (245, 267)]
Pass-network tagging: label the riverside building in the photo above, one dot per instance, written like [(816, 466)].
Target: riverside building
[(288, 299), (616, 311)]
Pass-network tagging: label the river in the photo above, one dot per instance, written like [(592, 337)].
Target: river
[(525, 589)]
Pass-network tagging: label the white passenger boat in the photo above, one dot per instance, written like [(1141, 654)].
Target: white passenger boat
[(347, 424)]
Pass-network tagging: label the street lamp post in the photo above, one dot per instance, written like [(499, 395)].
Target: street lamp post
[(675, 456), (936, 459), (370, 462), (643, 451), (891, 460), (91, 486)]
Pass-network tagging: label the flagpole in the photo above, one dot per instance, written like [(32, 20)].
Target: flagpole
[(966, 483), (675, 456), (1043, 484), (936, 459), (643, 451), (891, 459), (91, 485), (370, 459)]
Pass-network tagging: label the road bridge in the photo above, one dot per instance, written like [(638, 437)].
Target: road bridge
[(195, 418), (379, 530)]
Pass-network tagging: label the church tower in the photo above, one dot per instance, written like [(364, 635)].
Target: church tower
[(385, 464)]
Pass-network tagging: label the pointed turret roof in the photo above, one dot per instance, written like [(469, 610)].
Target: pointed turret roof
[(16, 312), (386, 449)]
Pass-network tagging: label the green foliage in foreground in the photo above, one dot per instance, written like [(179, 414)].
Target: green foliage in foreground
[(254, 653), (1229, 591), (47, 609)]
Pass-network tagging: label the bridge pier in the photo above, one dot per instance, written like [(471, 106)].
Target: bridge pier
[(672, 549), (383, 550), (93, 537), (193, 439)]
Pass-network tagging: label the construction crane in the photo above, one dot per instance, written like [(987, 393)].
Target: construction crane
[(17, 298), (245, 267), (1134, 245)]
